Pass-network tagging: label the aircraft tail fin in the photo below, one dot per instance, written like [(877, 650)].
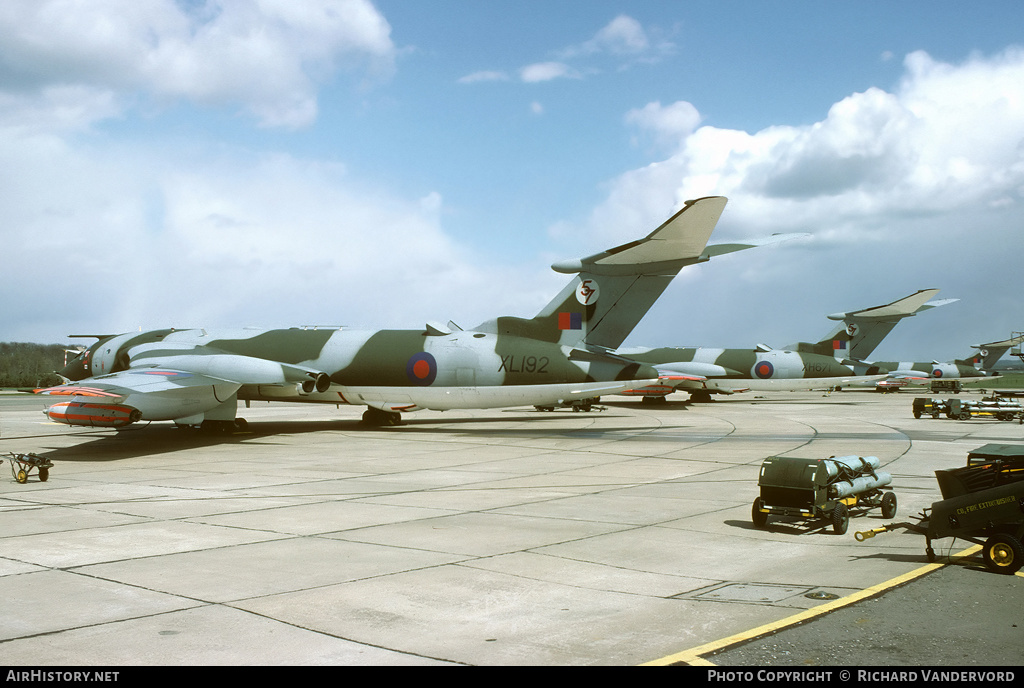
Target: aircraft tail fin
[(860, 332), (989, 354), (612, 290)]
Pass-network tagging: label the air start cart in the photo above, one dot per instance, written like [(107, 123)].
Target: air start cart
[(822, 489), (983, 503), (22, 465)]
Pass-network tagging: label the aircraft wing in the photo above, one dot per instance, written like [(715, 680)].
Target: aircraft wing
[(668, 381), (148, 393), (908, 375), (180, 386), (678, 377), (135, 381)]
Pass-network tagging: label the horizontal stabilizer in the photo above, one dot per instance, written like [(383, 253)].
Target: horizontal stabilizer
[(722, 249), (900, 308), (611, 291), (863, 330), (991, 353), (679, 241), (1007, 343)]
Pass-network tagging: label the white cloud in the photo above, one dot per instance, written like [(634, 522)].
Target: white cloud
[(486, 75), (267, 56), (623, 39), (546, 71), (904, 190), (951, 136), (141, 238), (622, 36), (668, 125)]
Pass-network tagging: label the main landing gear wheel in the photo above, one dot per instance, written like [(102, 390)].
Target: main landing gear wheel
[(1003, 553), (381, 418), (223, 426)]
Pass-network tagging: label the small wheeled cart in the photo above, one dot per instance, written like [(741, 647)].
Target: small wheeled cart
[(22, 465), (822, 489), (983, 503), (931, 407)]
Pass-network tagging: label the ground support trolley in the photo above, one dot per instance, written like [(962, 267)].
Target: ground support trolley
[(822, 489), (22, 465), (924, 406), (983, 503), (997, 407), (990, 407)]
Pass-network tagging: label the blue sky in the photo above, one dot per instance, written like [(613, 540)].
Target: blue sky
[(274, 163)]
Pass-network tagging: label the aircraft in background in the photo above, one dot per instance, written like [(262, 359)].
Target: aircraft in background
[(703, 371), (970, 369), (195, 377)]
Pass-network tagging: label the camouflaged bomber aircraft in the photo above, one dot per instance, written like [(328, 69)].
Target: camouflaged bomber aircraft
[(967, 370), (828, 363), (196, 377)]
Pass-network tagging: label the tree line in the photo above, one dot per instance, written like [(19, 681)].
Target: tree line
[(30, 365)]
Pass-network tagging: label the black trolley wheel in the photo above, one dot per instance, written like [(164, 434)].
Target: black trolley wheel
[(1003, 553), (840, 519), (888, 505), (760, 518), (44, 474)]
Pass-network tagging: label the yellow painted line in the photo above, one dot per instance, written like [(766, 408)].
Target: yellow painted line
[(694, 656)]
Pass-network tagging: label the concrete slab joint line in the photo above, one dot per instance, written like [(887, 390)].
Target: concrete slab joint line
[(485, 538), (696, 656)]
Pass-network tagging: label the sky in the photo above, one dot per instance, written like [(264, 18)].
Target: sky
[(276, 163)]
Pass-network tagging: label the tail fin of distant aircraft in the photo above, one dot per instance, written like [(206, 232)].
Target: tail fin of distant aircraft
[(862, 331), (989, 354), (613, 290)]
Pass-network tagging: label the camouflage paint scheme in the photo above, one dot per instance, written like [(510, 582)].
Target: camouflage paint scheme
[(971, 368), (562, 355), (828, 363)]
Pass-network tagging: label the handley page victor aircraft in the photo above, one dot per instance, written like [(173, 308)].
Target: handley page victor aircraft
[(704, 371), (973, 368), (197, 376)]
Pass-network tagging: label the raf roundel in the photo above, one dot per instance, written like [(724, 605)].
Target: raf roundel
[(763, 369), (421, 369)]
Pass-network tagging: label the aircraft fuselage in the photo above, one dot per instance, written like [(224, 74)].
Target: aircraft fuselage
[(390, 370), (744, 364)]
